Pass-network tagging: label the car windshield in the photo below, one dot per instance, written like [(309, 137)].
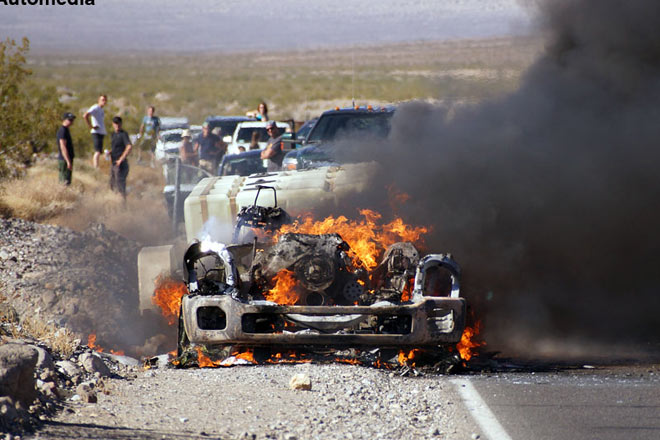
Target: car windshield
[(333, 126), (244, 135), (171, 137), (242, 165), (227, 127), (305, 129)]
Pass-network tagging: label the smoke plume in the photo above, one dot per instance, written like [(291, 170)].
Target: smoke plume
[(550, 197)]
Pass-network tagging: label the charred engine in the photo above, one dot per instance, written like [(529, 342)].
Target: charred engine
[(319, 264)]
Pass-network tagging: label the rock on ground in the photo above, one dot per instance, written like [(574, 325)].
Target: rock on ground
[(17, 364)]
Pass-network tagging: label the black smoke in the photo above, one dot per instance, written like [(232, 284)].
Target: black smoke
[(550, 197)]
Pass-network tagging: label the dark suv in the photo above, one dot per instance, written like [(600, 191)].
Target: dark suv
[(227, 123), (335, 125)]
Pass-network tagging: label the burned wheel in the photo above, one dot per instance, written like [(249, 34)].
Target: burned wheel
[(183, 343)]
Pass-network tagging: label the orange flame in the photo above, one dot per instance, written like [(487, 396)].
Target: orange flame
[(467, 344), (168, 296), (288, 357), (91, 343), (365, 237), (206, 362), (407, 290), (283, 292), (407, 358)]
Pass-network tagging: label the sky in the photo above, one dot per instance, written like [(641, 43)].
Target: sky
[(235, 25)]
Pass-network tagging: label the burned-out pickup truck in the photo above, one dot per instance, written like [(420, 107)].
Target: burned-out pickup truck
[(297, 289), (269, 284)]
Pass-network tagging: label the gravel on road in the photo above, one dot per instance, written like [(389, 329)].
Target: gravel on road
[(256, 402)]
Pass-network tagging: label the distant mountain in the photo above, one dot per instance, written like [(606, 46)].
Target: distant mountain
[(194, 25)]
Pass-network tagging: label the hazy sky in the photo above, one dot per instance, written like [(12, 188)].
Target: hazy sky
[(190, 25)]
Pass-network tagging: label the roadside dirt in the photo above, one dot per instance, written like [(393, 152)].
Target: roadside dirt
[(255, 402)]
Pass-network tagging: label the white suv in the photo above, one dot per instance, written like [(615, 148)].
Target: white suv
[(243, 135)]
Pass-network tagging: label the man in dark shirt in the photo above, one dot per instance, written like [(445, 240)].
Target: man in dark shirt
[(207, 146), (273, 151), (121, 146), (65, 148)]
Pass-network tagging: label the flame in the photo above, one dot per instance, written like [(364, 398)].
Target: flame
[(204, 361), (288, 357), (283, 292), (247, 355), (467, 344), (167, 296), (407, 290), (407, 358), (366, 238), (382, 365), (91, 343)]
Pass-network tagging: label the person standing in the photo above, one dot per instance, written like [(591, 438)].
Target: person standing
[(120, 148), (95, 120), (273, 151), (65, 148), (149, 131), (207, 146), (187, 151)]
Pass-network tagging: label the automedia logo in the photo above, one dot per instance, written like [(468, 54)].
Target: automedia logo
[(47, 2)]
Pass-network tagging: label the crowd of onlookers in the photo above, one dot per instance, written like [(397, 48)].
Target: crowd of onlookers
[(206, 150)]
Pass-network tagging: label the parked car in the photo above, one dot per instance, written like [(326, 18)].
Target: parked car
[(298, 140), (335, 125), (169, 142), (243, 134), (227, 123), (170, 123)]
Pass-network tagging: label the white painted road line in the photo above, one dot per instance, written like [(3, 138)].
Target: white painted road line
[(480, 412)]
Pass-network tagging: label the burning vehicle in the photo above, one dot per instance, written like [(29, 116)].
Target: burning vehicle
[(295, 289), (303, 284)]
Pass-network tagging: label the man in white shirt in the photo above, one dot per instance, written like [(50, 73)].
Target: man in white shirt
[(94, 118)]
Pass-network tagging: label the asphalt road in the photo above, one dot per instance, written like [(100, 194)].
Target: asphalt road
[(604, 403)]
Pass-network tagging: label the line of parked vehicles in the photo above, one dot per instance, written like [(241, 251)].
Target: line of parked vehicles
[(312, 145)]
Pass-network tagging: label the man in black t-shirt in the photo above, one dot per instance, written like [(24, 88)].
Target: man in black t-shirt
[(120, 147), (208, 146), (65, 148)]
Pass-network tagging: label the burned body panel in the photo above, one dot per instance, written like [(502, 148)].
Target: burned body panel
[(233, 310), (431, 322)]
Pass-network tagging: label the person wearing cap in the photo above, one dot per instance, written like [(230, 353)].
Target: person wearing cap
[(208, 147), (120, 148), (65, 148), (187, 151), (273, 151), (95, 121)]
